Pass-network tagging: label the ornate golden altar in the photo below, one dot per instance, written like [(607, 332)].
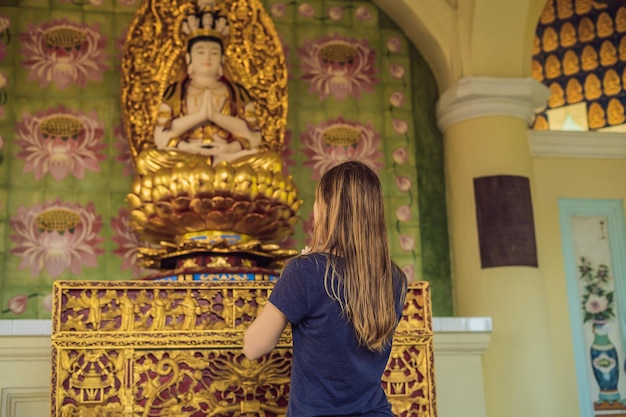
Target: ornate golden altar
[(165, 349)]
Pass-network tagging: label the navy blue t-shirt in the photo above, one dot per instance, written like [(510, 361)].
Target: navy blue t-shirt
[(331, 374)]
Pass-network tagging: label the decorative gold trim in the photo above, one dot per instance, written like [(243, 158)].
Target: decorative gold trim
[(174, 348)]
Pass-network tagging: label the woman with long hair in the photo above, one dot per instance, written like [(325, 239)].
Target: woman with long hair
[(343, 298)]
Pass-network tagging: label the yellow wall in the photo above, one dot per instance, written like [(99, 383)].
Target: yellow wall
[(572, 178), (493, 38)]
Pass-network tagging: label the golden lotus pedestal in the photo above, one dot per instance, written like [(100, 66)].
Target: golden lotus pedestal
[(165, 349)]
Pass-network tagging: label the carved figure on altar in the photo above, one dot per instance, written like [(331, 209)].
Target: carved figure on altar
[(204, 92)]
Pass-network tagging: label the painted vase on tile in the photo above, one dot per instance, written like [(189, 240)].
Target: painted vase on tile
[(604, 362)]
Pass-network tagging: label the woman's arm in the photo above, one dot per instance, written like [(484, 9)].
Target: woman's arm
[(264, 332)]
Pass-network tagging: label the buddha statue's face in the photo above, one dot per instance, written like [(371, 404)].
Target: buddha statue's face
[(205, 58)]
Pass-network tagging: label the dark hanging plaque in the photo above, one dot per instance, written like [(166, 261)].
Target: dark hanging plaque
[(504, 214)]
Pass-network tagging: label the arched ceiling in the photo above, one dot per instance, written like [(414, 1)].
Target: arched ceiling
[(470, 37)]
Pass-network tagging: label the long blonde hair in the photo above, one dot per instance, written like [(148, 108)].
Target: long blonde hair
[(350, 223)]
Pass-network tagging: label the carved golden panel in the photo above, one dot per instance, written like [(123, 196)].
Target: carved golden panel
[(565, 8), (586, 30), (615, 112), (605, 25), (161, 349), (568, 35), (596, 116), (574, 91)]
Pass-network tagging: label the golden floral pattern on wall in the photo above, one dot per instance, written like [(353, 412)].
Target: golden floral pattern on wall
[(579, 52)]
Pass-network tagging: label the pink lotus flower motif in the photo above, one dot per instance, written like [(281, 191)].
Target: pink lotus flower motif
[(363, 13), (123, 147), (278, 9), (335, 13), (397, 71), (409, 271), (403, 183), (64, 52), (403, 213), (339, 66), (397, 99), (18, 304), (60, 142), (400, 126), (400, 156), (127, 241), (407, 243), (306, 10), (394, 44), (596, 304), (46, 303), (56, 236), (332, 142)]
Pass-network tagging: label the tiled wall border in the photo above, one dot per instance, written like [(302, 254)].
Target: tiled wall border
[(440, 324)]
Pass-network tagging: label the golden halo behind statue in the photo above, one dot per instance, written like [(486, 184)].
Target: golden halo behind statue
[(153, 59)]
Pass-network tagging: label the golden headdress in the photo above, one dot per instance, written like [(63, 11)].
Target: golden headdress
[(207, 19)]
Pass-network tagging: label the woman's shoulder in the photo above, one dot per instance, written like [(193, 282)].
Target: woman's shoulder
[(309, 260)]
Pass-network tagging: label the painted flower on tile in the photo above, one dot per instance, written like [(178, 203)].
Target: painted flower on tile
[(403, 183), (306, 10), (403, 213), (278, 9), (363, 13), (397, 71), (18, 304), (335, 13), (127, 242), (407, 243), (338, 66), (400, 156), (56, 236), (394, 44), (332, 142), (123, 147), (397, 99), (60, 142), (64, 52), (409, 271), (400, 126), (598, 295)]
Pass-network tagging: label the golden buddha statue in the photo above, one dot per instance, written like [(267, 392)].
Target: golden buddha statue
[(615, 112), (596, 116), (574, 91), (611, 84), (205, 118), (571, 64), (608, 54), (568, 35), (593, 87), (204, 93)]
